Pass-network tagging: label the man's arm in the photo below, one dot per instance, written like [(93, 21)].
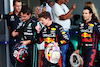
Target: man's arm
[(25, 42), (69, 14), (62, 36)]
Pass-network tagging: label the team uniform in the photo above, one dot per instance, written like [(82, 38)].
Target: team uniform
[(88, 40), (12, 21), (54, 32), (26, 32)]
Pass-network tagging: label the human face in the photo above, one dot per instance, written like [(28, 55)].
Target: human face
[(51, 4), (18, 6), (38, 10), (25, 17), (86, 15), (44, 21)]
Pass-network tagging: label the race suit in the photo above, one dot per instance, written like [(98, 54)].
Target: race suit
[(54, 32), (88, 40), (26, 32)]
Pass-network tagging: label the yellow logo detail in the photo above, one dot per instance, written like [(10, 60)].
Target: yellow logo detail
[(85, 35), (48, 39), (53, 29), (62, 41), (91, 24), (63, 32)]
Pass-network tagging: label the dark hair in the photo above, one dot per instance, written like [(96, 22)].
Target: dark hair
[(41, 1), (56, 0), (90, 10), (45, 15), (26, 9), (16, 1), (44, 0)]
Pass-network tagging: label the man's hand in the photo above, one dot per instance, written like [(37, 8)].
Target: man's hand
[(14, 33), (38, 28), (73, 6), (26, 42), (55, 43)]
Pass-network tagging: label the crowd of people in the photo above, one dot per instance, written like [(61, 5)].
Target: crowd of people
[(50, 23)]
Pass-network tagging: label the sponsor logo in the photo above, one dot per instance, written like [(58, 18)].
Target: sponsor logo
[(82, 25), (63, 32), (63, 42), (30, 24), (12, 18), (87, 30), (91, 24), (26, 33), (53, 29), (48, 39), (86, 39), (49, 28), (49, 35), (85, 35)]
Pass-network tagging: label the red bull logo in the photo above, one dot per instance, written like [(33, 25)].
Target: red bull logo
[(48, 39), (90, 24), (85, 35), (63, 42), (86, 39)]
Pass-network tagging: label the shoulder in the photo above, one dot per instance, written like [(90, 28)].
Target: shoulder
[(63, 5), (34, 21), (56, 24), (11, 13), (95, 22), (55, 5)]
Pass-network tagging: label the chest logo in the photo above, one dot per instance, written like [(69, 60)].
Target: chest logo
[(48, 39), (53, 29), (85, 35)]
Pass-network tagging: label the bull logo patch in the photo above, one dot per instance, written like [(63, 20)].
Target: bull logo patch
[(85, 35)]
